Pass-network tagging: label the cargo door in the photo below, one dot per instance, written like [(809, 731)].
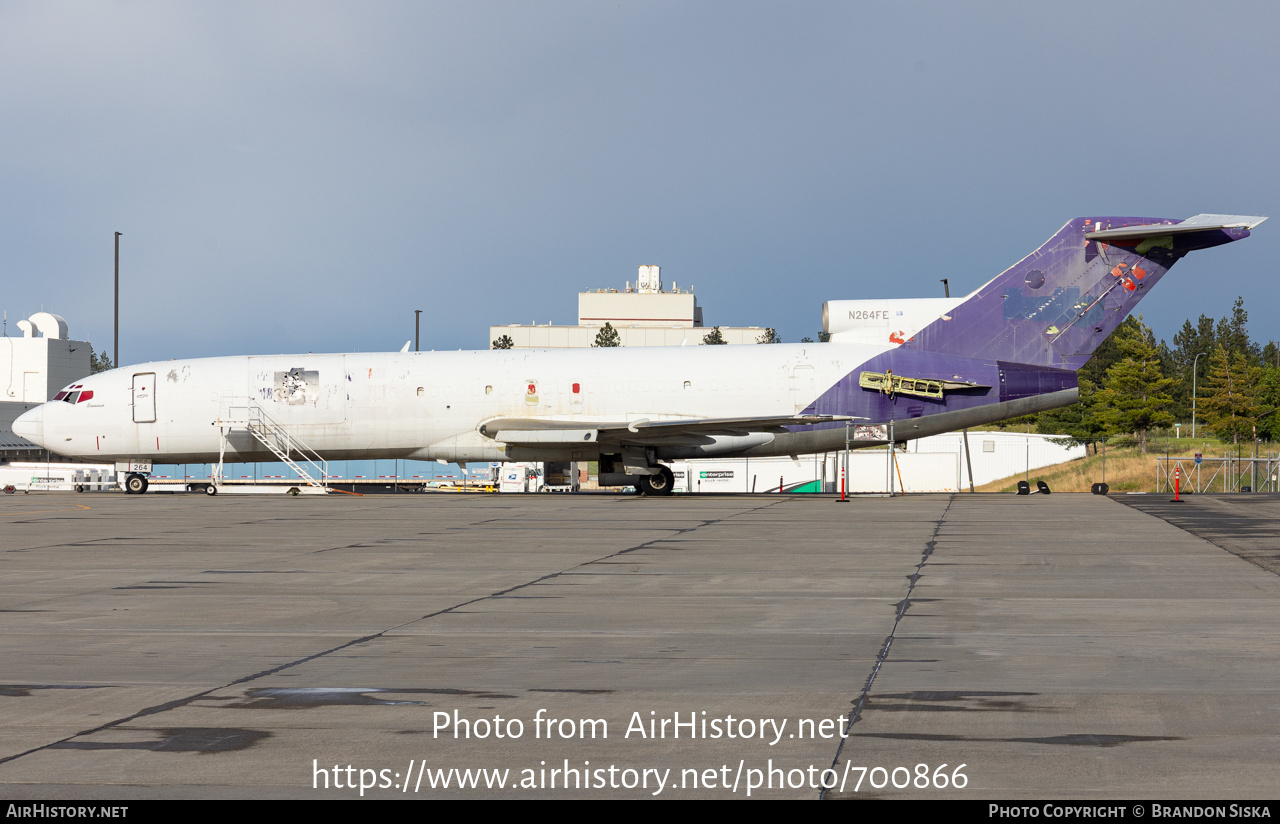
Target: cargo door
[(144, 397)]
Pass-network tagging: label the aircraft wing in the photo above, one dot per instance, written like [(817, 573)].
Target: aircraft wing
[(1198, 223), (639, 430)]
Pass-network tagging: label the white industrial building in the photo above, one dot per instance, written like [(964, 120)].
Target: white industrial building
[(643, 314), (933, 464), (32, 369)]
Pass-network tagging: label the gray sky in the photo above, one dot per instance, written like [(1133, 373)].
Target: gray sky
[(295, 177)]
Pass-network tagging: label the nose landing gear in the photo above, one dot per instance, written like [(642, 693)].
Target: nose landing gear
[(135, 484)]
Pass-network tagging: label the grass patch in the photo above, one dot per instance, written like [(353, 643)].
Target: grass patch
[(1127, 469)]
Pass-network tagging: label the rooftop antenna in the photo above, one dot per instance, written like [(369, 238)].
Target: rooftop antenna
[(946, 288)]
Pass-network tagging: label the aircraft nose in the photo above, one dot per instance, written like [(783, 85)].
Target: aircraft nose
[(30, 425)]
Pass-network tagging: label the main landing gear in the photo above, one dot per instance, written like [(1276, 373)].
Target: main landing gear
[(663, 483)]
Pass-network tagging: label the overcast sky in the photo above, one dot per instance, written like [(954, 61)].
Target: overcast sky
[(295, 177)]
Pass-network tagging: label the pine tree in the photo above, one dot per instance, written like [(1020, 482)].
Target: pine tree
[(714, 338), (1230, 402), (504, 342), (1078, 422), (99, 363), (1189, 370), (1271, 354), (607, 337), (1135, 394), (1269, 399), (1234, 336), (770, 335)]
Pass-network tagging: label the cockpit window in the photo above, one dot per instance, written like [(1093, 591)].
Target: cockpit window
[(74, 394)]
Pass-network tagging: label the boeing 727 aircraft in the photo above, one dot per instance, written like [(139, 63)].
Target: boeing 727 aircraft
[(893, 369)]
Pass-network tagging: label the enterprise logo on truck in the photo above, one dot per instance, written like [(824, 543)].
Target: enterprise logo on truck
[(721, 473)]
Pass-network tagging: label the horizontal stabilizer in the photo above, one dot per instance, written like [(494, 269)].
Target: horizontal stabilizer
[(1198, 223)]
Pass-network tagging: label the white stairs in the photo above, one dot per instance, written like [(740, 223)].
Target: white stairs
[(311, 469)]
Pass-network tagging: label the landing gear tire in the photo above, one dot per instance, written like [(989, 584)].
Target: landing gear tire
[(135, 485), (660, 484), (211, 490)]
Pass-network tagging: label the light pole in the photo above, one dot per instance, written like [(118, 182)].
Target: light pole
[(417, 315), (1193, 394), (115, 353)]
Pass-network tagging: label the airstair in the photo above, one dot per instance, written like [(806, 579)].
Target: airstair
[(312, 470)]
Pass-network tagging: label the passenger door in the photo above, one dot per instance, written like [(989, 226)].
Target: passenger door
[(144, 397)]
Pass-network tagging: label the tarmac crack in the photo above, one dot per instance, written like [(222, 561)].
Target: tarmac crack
[(900, 610)]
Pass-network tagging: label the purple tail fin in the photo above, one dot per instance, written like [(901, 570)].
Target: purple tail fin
[(1057, 305)]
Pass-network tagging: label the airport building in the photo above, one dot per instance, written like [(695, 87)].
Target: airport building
[(938, 463), (33, 368), (643, 314)]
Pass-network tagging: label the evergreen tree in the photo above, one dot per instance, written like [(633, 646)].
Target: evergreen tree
[(1135, 395), (714, 338), (1271, 354), (1187, 343), (99, 363), (824, 337), (769, 335), (1078, 422), (1230, 403), (1233, 334), (607, 337), (1269, 399), (504, 342)]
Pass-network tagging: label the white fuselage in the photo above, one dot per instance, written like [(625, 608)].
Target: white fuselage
[(431, 405)]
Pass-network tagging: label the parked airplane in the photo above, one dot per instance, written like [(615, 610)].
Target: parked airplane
[(894, 369)]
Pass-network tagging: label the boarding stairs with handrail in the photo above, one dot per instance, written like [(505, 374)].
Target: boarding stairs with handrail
[(275, 436)]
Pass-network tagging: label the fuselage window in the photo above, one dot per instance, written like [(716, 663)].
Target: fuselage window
[(421, 391)]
